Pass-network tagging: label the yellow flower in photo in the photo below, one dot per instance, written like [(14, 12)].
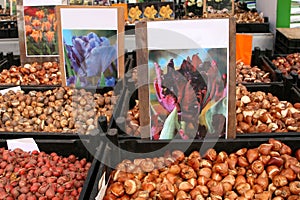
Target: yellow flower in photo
[(28, 29), (36, 35), (150, 12), (27, 19), (199, 3), (40, 14), (165, 12), (46, 26), (51, 18), (54, 26), (135, 13), (218, 1), (36, 23), (49, 35)]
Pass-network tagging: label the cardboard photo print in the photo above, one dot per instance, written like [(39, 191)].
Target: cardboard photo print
[(190, 90), (90, 49)]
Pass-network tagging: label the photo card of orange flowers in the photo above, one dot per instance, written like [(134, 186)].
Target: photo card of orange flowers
[(40, 31)]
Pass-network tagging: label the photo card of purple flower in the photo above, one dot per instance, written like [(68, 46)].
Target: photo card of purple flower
[(190, 90), (91, 51), (91, 57)]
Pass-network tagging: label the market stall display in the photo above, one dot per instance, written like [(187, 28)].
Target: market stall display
[(46, 73), (266, 168), (249, 74), (200, 66), (58, 170), (186, 126), (61, 110), (47, 180), (262, 112), (288, 65)]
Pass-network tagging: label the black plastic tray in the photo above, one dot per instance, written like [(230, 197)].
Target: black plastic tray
[(291, 78), (87, 189), (4, 33), (254, 27), (281, 90), (281, 48), (8, 29), (284, 93), (131, 149), (92, 138), (263, 64), (66, 148), (290, 43), (13, 33)]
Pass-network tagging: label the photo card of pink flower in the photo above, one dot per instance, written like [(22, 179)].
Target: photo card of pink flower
[(190, 73), (91, 51), (37, 24)]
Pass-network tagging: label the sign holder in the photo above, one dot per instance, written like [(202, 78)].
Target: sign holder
[(169, 59), (91, 51)]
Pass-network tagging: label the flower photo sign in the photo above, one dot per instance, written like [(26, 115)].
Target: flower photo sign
[(194, 7), (218, 8), (37, 26), (187, 78), (91, 51)]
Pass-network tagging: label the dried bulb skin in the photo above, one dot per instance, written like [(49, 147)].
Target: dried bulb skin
[(216, 188), (285, 149), (221, 157), (263, 180), (289, 174), (130, 186), (242, 161), (293, 197), (210, 154), (147, 165), (232, 161), (283, 192), (262, 196), (109, 197), (181, 195), (242, 188), (221, 168), (278, 198), (278, 161), (252, 155), (272, 171), (231, 195), (222, 176), (166, 195), (297, 155), (265, 149), (261, 112), (279, 180), (178, 155), (117, 189), (54, 111), (295, 187), (277, 145)]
